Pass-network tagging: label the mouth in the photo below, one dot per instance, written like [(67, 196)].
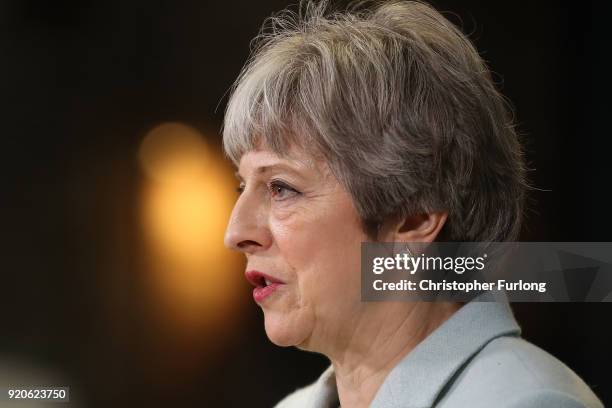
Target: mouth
[(264, 284), (259, 279)]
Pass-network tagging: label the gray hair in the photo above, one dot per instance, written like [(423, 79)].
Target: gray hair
[(400, 105)]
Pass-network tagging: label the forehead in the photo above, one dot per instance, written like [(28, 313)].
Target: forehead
[(262, 159)]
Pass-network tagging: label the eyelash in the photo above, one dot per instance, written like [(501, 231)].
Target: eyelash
[(274, 184), (271, 186)]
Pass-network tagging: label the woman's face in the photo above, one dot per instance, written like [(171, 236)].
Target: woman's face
[(299, 230)]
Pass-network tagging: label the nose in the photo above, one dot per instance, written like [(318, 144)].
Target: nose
[(247, 230)]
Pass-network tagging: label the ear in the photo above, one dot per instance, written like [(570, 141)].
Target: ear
[(418, 228)]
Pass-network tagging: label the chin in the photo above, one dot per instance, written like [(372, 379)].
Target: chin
[(284, 331)]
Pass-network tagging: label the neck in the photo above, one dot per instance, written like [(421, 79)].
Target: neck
[(377, 342)]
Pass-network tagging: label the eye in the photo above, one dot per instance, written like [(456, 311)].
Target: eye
[(280, 191), (240, 188)]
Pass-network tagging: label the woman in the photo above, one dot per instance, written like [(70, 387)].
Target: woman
[(380, 125)]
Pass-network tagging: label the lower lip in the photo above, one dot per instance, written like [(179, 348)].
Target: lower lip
[(260, 293)]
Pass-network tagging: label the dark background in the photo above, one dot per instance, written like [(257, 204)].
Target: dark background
[(81, 82)]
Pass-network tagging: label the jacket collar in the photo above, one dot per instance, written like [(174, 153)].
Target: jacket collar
[(420, 377)]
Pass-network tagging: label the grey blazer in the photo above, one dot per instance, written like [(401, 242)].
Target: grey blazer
[(475, 359)]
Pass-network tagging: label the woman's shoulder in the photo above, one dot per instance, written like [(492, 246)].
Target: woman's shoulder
[(511, 372)]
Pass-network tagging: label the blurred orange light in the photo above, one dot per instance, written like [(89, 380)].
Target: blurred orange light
[(186, 204)]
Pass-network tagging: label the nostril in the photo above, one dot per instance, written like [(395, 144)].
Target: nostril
[(247, 244)]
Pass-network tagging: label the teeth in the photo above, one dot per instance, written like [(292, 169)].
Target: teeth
[(267, 282)]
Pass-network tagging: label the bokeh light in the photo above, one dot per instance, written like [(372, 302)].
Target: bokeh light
[(187, 199)]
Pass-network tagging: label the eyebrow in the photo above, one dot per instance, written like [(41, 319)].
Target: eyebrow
[(265, 169)]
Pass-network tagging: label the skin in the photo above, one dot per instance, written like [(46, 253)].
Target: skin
[(296, 223)]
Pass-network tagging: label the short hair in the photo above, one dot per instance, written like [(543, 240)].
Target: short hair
[(401, 106)]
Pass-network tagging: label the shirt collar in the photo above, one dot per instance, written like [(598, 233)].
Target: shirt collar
[(421, 375), (325, 392)]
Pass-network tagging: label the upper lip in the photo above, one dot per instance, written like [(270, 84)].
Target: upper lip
[(259, 278)]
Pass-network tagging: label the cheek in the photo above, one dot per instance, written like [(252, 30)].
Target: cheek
[(323, 250), (294, 231)]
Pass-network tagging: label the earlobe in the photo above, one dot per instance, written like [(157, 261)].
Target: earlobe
[(420, 227)]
